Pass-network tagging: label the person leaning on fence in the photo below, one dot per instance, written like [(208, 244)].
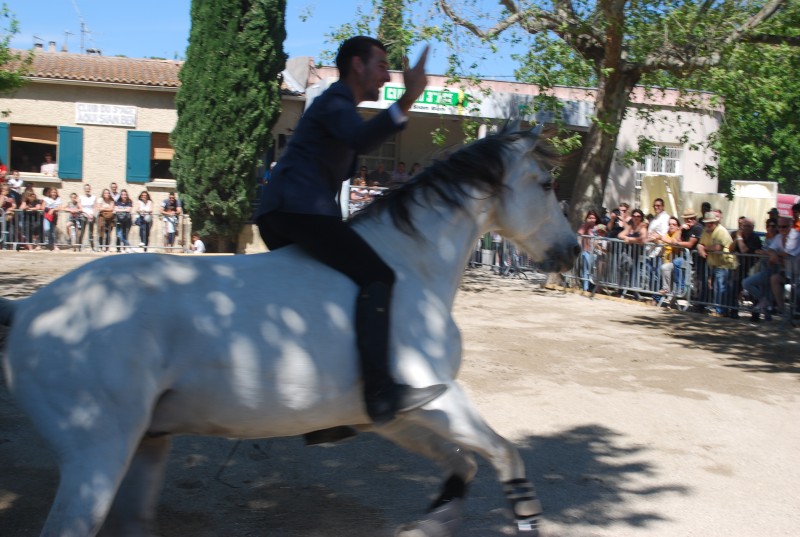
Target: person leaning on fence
[(30, 225), (691, 231), (105, 219), (657, 228), (88, 201), (670, 252), (714, 247), (746, 243), (52, 205), (585, 234), (171, 209), (123, 212), (144, 218), (633, 235), (617, 220), (782, 252)]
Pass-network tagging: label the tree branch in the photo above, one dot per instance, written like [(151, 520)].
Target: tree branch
[(768, 39)]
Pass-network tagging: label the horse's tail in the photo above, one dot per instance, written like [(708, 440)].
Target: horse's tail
[(7, 310)]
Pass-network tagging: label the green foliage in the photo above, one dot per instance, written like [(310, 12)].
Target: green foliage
[(15, 64), (227, 105), (392, 33)]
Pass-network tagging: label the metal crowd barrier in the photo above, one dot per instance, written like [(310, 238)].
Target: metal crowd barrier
[(31, 230), (684, 281)]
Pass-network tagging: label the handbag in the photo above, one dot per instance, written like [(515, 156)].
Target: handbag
[(49, 215), (138, 221)]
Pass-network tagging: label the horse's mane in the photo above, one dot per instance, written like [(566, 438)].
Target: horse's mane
[(480, 164)]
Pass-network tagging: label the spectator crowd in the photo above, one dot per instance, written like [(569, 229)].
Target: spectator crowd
[(661, 254), (100, 223)]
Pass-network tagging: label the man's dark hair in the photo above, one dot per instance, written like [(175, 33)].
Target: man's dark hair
[(360, 46)]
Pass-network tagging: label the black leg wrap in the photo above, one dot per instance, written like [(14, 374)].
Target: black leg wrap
[(454, 488), (524, 504)]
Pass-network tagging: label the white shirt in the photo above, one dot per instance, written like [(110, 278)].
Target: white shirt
[(87, 204), (198, 247), (660, 224), (50, 168), (15, 184)]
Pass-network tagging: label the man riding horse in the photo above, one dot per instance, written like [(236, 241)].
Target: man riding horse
[(298, 206)]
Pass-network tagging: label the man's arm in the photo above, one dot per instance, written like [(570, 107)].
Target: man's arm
[(414, 80)]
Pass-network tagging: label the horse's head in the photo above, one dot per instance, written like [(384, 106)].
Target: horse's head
[(526, 210)]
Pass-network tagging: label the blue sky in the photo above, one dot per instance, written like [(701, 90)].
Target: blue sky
[(160, 28)]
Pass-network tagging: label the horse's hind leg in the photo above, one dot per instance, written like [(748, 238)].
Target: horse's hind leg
[(133, 513), (453, 417), (89, 478), (94, 437)]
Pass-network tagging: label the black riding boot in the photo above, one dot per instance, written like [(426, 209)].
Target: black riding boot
[(384, 397)]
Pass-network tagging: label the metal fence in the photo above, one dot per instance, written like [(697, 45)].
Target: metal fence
[(35, 230), (725, 283)]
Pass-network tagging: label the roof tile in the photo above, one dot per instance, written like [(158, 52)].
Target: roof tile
[(110, 69)]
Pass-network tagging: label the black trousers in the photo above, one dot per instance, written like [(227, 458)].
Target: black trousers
[(329, 240)]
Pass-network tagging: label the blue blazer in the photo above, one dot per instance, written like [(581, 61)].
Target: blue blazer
[(322, 154)]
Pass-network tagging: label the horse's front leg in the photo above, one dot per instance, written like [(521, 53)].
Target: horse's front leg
[(453, 417), (445, 513)]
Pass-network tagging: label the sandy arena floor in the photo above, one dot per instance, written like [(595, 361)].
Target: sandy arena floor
[(633, 421)]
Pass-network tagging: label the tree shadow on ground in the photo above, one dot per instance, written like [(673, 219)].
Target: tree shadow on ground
[(764, 348), (587, 477)]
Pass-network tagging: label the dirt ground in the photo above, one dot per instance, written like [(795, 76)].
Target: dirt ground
[(632, 421)]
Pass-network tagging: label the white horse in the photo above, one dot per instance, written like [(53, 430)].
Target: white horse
[(114, 358)]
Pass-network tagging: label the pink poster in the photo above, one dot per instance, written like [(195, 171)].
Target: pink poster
[(785, 202)]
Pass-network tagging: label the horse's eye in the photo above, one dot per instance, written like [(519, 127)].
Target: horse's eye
[(548, 185)]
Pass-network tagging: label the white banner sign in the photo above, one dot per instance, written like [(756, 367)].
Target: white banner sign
[(105, 114)]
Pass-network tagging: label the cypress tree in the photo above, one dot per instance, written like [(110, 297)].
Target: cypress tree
[(392, 34), (228, 102)]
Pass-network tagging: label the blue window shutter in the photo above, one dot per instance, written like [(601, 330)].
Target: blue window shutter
[(70, 152), (138, 170), (4, 145)]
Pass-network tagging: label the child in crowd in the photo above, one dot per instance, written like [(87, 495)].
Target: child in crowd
[(197, 247)]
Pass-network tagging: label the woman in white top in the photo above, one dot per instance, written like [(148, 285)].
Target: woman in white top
[(52, 204), (87, 201), (144, 208)]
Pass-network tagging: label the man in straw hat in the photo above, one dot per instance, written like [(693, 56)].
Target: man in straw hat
[(715, 243)]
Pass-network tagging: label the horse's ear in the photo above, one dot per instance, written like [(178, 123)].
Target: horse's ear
[(510, 126)]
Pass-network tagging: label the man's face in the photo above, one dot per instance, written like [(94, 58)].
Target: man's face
[(113, 187), (374, 74), (658, 207), (87, 190), (745, 228)]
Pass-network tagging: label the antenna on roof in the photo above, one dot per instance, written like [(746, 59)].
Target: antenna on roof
[(85, 32)]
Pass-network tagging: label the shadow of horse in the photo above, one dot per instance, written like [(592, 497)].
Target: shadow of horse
[(586, 478)]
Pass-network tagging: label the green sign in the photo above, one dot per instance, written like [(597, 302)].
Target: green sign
[(436, 97)]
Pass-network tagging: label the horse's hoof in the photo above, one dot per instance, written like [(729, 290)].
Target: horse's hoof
[(528, 527), (443, 521)]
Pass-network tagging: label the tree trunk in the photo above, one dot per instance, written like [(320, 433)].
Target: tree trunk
[(600, 144)]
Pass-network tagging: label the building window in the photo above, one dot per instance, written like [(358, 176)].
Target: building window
[(29, 144), (149, 156), (161, 154), (664, 160)]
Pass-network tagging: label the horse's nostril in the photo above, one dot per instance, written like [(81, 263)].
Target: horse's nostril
[(576, 250)]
